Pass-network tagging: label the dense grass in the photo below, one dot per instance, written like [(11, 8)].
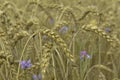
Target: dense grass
[(59, 39)]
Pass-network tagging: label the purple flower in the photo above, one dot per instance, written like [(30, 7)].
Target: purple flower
[(37, 77), (84, 54), (63, 30), (25, 64), (34, 77), (107, 30)]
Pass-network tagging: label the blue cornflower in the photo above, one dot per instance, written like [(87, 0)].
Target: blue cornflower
[(107, 30), (25, 64), (84, 54), (37, 77), (63, 30)]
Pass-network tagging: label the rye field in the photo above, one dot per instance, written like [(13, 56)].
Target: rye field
[(59, 39)]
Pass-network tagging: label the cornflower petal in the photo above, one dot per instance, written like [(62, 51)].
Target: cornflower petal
[(25, 64), (107, 30), (22, 63), (29, 61), (84, 54), (64, 29), (39, 77), (34, 77), (28, 64), (88, 56)]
